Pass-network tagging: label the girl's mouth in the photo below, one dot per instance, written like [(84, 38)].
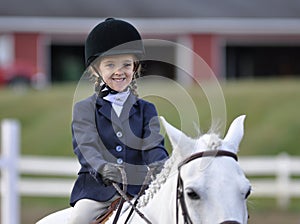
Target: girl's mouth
[(118, 79)]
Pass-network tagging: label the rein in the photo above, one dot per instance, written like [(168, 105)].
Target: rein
[(180, 192), (125, 198)]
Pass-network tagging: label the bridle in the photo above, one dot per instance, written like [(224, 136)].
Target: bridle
[(180, 187), (180, 194)]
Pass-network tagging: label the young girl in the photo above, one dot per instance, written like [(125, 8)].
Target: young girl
[(113, 130)]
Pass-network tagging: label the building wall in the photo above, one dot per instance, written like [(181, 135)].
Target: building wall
[(215, 42), (207, 47)]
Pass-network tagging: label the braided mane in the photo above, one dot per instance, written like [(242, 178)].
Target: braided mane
[(156, 184)]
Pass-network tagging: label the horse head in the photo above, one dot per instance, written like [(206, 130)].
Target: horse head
[(213, 186)]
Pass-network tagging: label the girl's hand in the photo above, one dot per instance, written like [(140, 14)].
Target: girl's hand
[(111, 173)]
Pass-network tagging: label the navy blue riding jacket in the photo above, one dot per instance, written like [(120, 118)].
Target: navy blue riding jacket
[(100, 136)]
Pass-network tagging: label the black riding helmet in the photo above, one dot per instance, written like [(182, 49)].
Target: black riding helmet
[(112, 37)]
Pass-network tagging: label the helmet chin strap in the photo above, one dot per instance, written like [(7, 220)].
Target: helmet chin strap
[(102, 90), (105, 90)]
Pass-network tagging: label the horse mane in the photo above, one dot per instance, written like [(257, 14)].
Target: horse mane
[(156, 183), (209, 141)]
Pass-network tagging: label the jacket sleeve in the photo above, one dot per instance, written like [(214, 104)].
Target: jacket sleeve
[(153, 141), (86, 141)]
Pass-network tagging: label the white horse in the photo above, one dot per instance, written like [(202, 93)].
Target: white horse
[(201, 183)]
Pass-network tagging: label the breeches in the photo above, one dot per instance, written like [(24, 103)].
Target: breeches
[(87, 210)]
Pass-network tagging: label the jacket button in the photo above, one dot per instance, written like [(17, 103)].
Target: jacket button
[(119, 148), (119, 134), (119, 161)]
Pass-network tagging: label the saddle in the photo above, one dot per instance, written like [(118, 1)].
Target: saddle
[(101, 219)]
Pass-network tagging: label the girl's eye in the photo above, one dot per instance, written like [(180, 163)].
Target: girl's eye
[(110, 65), (127, 65)]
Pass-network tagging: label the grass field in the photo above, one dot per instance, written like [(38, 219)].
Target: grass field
[(272, 126), (272, 108)]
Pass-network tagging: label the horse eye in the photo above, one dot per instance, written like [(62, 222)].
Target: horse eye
[(192, 194), (248, 193)]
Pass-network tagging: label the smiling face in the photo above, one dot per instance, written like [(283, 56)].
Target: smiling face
[(117, 71)]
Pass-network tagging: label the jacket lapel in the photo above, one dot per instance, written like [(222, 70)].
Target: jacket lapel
[(104, 107), (129, 108)]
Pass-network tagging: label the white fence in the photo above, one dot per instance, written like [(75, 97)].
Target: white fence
[(54, 176), (274, 176)]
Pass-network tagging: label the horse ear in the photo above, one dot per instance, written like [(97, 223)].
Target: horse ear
[(177, 138), (235, 133)]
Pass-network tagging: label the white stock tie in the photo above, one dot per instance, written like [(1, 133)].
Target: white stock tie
[(118, 98)]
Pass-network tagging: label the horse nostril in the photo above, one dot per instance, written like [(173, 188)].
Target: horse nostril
[(229, 222)]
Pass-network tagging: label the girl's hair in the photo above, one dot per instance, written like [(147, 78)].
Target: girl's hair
[(94, 75)]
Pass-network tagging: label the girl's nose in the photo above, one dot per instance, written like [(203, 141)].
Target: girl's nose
[(119, 71)]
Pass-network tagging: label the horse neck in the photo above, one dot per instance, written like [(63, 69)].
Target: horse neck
[(159, 192), (161, 208)]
